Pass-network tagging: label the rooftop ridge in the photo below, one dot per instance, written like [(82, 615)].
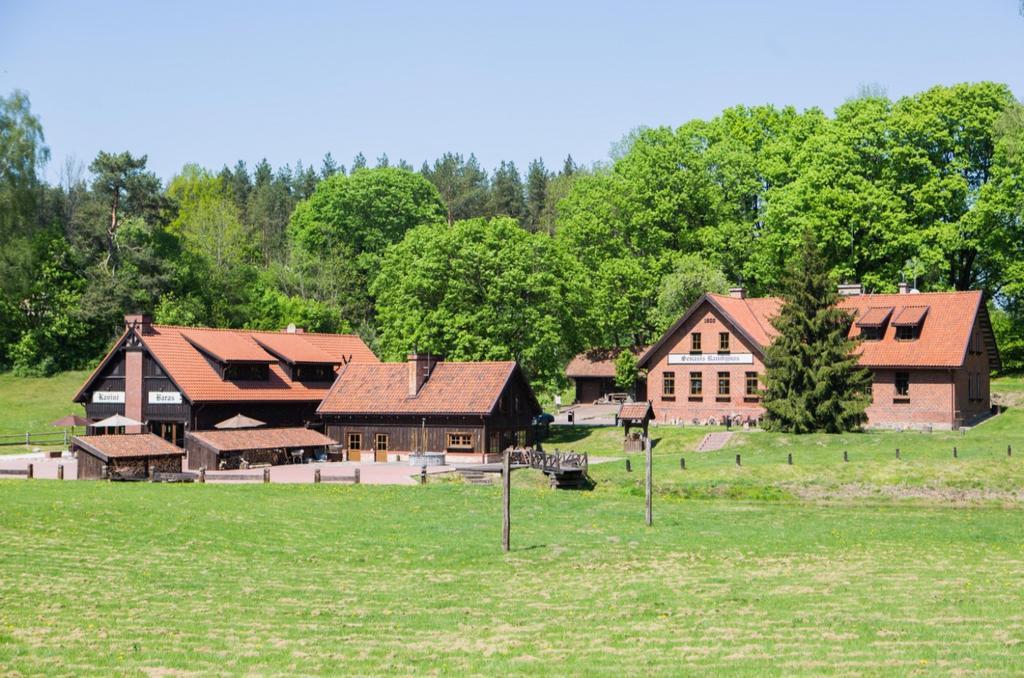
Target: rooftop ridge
[(246, 330)]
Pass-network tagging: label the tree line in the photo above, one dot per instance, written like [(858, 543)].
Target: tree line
[(533, 265)]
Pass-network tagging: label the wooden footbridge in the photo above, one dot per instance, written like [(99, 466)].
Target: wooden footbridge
[(566, 470)]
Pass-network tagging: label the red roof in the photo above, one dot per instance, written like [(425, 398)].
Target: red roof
[(261, 438), (636, 411), (228, 347), (597, 362), (875, 316), (948, 319), (200, 382), (294, 348), (453, 388), (127, 445), (910, 316)]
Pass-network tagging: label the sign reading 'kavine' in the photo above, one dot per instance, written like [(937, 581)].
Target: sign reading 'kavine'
[(710, 358), (108, 397)]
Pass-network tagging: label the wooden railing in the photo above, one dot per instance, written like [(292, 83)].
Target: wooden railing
[(556, 462), (47, 439)]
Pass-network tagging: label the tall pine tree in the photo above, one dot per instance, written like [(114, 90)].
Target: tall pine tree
[(813, 382)]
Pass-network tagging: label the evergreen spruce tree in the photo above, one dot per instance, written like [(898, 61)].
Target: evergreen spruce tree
[(813, 382)]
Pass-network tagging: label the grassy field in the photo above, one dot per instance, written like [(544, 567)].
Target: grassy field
[(875, 565), (105, 578), (30, 404)]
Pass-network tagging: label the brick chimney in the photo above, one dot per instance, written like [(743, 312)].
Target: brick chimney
[(292, 329), (737, 292), (420, 367), (850, 289), (133, 358), (143, 322)]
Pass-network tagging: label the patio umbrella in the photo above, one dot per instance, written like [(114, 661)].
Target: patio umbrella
[(240, 421), (116, 421), (70, 422)]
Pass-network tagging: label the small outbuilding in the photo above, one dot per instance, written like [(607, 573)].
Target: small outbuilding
[(125, 455), (229, 448)]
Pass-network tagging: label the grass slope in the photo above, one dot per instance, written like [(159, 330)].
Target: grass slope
[(29, 404), (105, 578), (926, 469)]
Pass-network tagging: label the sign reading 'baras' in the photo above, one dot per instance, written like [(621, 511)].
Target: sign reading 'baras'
[(710, 359), (164, 397)]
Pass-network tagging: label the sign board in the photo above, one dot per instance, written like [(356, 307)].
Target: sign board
[(165, 397), (113, 397), (710, 358)]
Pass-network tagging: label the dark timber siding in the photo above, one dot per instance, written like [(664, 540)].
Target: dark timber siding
[(89, 467)]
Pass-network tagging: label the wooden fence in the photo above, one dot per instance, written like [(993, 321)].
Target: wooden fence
[(47, 439)]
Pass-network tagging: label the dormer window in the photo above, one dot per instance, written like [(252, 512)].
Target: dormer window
[(246, 372), (872, 323), (906, 333), (908, 322), (312, 372)]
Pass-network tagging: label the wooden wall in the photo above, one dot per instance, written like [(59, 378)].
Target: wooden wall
[(89, 467)]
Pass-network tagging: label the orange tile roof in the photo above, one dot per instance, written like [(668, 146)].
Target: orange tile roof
[(199, 382), (294, 348), (228, 347), (944, 334), (597, 362), (453, 388), (753, 315), (636, 411), (874, 316), (942, 342), (910, 316), (261, 438), (127, 445)]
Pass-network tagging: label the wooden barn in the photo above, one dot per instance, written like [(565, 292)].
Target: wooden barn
[(593, 375), (129, 455), (469, 410), (178, 379), (229, 448)]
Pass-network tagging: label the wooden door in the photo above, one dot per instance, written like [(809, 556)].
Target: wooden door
[(380, 456), (353, 455)]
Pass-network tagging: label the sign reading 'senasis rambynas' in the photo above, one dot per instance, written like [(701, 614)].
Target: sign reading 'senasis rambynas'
[(710, 359)]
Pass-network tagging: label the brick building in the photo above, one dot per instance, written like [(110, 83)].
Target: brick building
[(930, 355)]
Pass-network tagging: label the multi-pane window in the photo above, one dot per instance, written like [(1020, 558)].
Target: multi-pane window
[(381, 442), (668, 384), (723, 383), (355, 441), (723, 342), (871, 333), (695, 342), (906, 332), (751, 389), (460, 440), (902, 384), (696, 384)]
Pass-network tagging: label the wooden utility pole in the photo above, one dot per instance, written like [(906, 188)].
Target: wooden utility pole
[(506, 496), (647, 481)]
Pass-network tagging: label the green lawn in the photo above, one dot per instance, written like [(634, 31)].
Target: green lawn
[(926, 469), (109, 578), (30, 404)]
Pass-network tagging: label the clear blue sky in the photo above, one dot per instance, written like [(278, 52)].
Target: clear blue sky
[(214, 82)]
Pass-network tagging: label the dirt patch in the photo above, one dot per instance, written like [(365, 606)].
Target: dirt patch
[(948, 495)]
